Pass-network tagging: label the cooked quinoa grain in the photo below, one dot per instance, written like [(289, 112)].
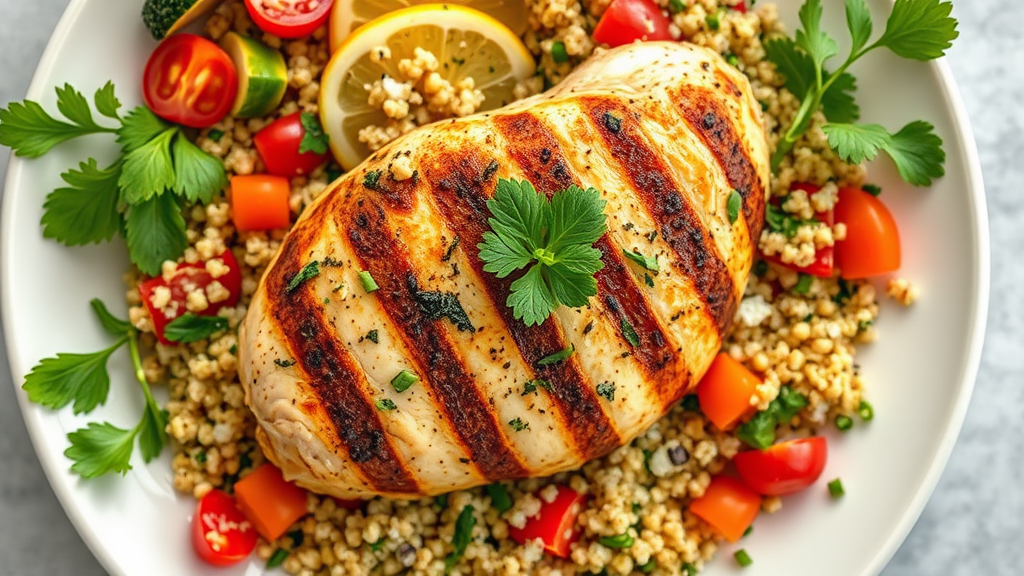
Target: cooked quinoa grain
[(791, 331)]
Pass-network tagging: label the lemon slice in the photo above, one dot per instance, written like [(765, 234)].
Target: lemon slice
[(467, 43), (347, 15)]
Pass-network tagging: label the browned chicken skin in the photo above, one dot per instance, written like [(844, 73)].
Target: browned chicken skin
[(665, 131)]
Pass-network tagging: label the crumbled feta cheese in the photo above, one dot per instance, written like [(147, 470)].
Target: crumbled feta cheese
[(753, 310)]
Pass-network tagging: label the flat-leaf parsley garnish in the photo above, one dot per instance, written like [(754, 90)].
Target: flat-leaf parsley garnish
[(916, 29), (553, 239)]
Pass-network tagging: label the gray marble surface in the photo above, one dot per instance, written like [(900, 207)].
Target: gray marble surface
[(973, 524)]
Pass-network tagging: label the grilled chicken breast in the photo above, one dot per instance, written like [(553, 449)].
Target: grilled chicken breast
[(665, 131)]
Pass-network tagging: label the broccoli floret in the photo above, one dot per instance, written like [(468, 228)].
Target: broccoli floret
[(160, 15)]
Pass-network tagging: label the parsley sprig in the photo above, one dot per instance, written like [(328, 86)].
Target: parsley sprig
[(82, 380), (916, 29), (553, 239), (140, 195)]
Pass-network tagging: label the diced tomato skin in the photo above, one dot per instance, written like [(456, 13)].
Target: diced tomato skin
[(185, 276), (784, 468), (555, 524), (725, 391), (298, 22), (872, 243), (728, 505), (741, 7), (221, 534), (626, 21), (190, 80), (278, 145), (269, 501)]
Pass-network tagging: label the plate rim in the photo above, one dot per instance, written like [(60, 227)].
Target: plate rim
[(55, 469)]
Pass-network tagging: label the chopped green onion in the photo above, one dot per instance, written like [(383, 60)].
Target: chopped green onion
[(872, 189), (385, 404), (308, 272), (277, 558), (734, 204), (835, 488), (404, 380), (649, 567), (557, 356), (499, 497), (760, 268), (690, 569), (844, 422), (558, 53), (441, 501), (748, 531), (216, 135), (803, 285), (714, 20), (676, 6), (617, 542), (629, 333), (369, 284), (732, 60), (866, 411), (742, 558), (376, 546)]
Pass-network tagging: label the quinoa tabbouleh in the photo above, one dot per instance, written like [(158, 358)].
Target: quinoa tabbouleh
[(797, 332)]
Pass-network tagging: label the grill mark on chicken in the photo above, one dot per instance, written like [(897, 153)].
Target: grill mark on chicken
[(439, 364), (332, 373), (458, 191), (526, 134), (708, 117), (677, 220)]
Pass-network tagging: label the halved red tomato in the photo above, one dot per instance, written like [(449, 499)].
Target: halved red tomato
[(289, 18), (555, 524), (190, 80), (626, 21), (872, 243), (186, 278), (221, 534), (783, 468)]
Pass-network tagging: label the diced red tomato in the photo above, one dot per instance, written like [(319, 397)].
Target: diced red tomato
[(221, 534), (824, 258), (190, 80), (729, 506), (260, 202), (626, 21), (186, 278), (290, 19), (270, 502), (555, 524), (725, 391), (278, 146), (872, 243), (784, 468), (741, 7)]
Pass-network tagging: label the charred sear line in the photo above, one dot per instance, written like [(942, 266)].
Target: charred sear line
[(678, 223), (615, 280), (707, 115), (334, 377), (439, 363), (463, 206)]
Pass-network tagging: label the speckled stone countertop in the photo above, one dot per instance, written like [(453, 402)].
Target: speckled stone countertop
[(974, 522)]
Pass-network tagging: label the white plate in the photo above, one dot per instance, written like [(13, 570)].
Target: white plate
[(920, 375)]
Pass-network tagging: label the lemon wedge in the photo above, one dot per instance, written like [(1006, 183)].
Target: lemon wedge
[(347, 15), (467, 44)]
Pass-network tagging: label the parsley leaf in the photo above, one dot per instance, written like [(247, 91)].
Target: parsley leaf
[(155, 231), (111, 323), (794, 65), (554, 238), (87, 211), (815, 42), (918, 153), (856, 142), (100, 448), (647, 262), (919, 29), (307, 273), (81, 379), (151, 431), (837, 102), (197, 175), (148, 170), (191, 328), (313, 139), (107, 103), (140, 126), (858, 20), (28, 130)]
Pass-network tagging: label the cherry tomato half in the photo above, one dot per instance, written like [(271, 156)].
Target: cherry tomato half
[(555, 524), (190, 80), (626, 21), (289, 18), (784, 468), (872, 243), (728, 505), (221, 534), (187, 278), (278, 145)]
